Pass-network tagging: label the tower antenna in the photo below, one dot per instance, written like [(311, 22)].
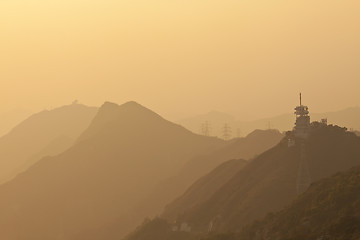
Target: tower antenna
[(300, 99)]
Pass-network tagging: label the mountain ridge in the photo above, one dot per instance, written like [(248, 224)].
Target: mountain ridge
[(101, 177), (36, 132)]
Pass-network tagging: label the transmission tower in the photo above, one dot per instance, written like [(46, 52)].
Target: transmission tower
[(205, 128), (226, 131)]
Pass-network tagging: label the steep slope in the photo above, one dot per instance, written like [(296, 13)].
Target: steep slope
[(203, 188), (268, 183), (26, 143), (242, 148), (199, 192), (246, 148), (126, 150), (329, 209), (10, 119)]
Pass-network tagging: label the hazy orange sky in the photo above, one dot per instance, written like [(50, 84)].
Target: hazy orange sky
[(249, 58)]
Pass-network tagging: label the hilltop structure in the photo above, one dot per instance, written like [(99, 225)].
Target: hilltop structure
[(301, 132), (302, 124)]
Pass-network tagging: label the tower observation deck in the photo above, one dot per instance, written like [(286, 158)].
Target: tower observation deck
[(302, 124)]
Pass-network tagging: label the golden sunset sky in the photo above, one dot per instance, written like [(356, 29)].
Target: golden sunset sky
[(249, 58)]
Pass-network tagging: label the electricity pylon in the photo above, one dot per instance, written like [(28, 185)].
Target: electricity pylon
[(226, 132), (205, 128)]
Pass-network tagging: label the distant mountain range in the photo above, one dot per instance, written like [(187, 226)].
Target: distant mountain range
[(349, 117), (43, 134)]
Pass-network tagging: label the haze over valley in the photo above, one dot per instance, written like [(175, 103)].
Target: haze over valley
[(179, 120)]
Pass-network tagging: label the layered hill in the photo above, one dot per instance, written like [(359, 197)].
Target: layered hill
[(204, 188), (198, 193), (246, 148), (123, 154), (268, 183), (169, 189), (329, 209), (42, 134)]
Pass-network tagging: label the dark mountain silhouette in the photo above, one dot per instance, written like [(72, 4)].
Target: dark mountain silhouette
[(268, 183), (42, 134), (246, 148), (329, 209), (198, 193), (170, 188), (123, 154)]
